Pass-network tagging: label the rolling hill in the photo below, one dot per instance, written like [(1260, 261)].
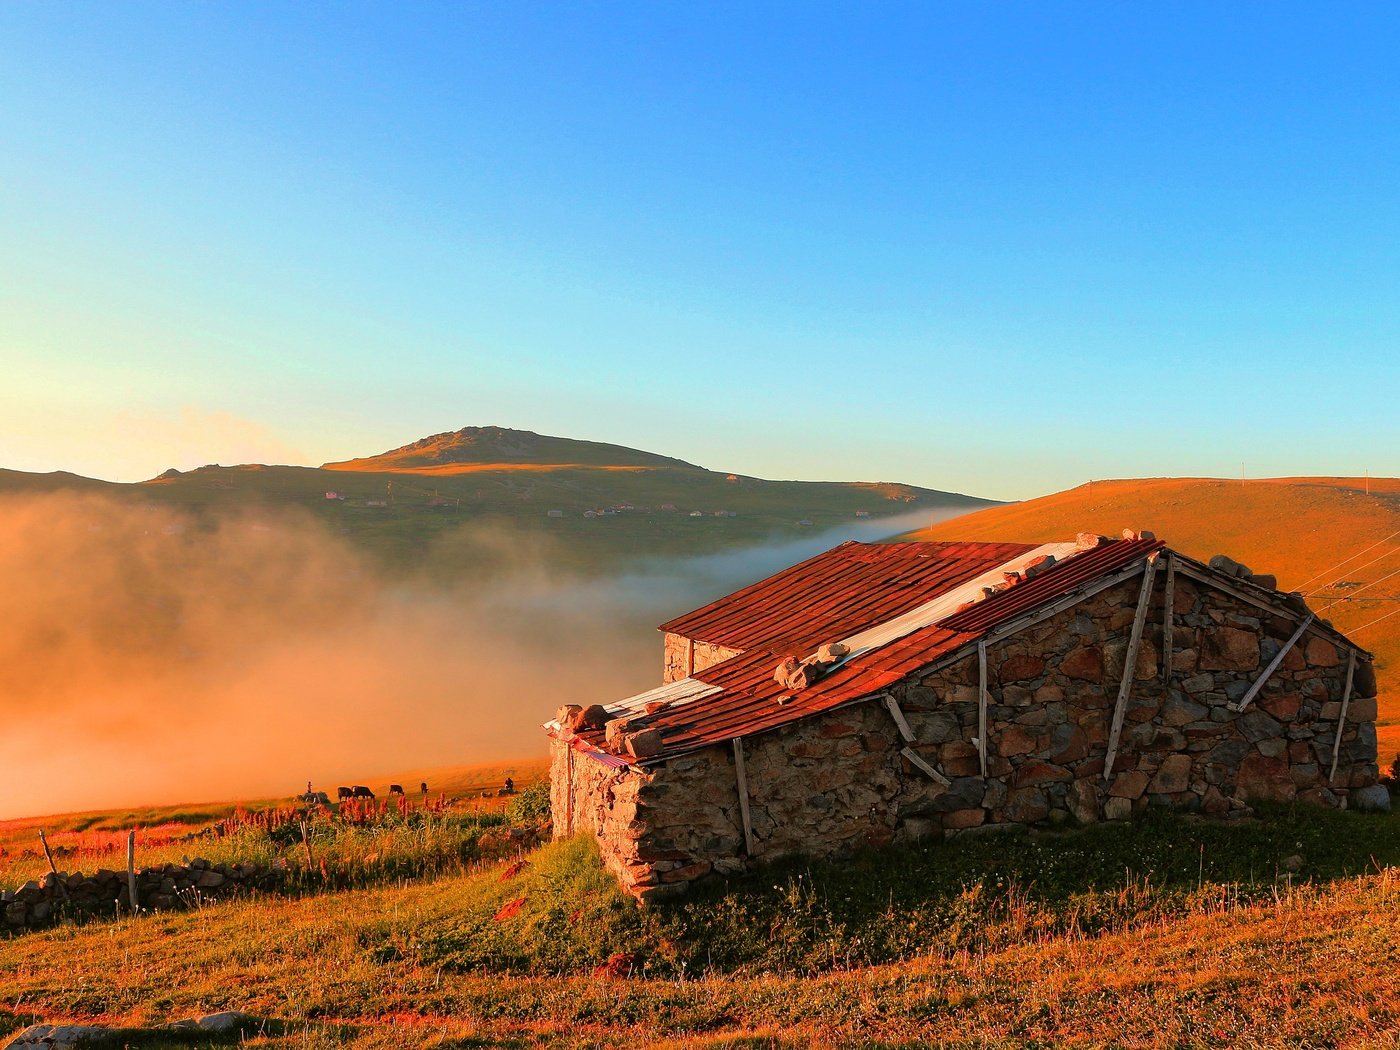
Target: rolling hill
[(1336, 539), (586, 505)]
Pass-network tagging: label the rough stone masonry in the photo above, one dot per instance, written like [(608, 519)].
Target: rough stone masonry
[(843, 779), (42, 902)]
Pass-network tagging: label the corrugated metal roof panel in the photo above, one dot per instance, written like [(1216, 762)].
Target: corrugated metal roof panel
[(748, 698), (837, 593), (744, 699)]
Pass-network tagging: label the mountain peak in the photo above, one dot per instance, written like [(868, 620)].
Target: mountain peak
[(493, 444)]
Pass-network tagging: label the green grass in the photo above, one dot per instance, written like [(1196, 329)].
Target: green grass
[(1165, 932), (977, 893)]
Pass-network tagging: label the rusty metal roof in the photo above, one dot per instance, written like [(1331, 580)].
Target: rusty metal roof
[(744, 698), (837, 593)]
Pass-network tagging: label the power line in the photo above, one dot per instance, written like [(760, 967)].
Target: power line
[(1380, 557), (1339, 564), (1349, 598), (1378, 619), (1358, 590)]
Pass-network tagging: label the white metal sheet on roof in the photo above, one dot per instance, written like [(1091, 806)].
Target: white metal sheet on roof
[(949, 602), (673, 693)]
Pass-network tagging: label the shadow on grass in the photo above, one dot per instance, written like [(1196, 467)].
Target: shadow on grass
[(974, 892)]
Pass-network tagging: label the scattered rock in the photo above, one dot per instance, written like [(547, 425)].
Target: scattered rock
[(1224, 563), (1117, 809), (1375, 799)]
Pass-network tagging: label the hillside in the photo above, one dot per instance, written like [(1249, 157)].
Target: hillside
[(477, 447), (581, 505), (1310, 532)]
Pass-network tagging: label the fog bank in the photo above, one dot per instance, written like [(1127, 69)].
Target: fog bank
[(149, 658)]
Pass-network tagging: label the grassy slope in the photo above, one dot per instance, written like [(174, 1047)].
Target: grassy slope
[(1292, 527), (1167, 932)]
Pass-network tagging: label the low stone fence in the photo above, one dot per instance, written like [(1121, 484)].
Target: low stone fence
[(104, 893)]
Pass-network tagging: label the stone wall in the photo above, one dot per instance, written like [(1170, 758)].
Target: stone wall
[(43, 901), (838, 781), (682, 657)]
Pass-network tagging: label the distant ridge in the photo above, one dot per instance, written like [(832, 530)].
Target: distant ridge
[(436, 505), (503, 446)]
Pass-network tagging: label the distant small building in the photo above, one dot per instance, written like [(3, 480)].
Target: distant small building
[(805, 523), (862, 514), (554, 514), (697, 513), (667, 506), (590, 514), (332, 495), (731, 477)]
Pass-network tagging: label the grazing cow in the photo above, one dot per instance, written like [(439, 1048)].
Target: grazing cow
[(343, 793), (360, 791), (396, 789)]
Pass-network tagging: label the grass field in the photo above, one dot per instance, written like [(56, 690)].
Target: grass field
[(1165, 932), (1296, 528), (85, 841)]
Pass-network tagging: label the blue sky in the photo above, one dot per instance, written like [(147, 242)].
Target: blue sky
[(1000, 248)]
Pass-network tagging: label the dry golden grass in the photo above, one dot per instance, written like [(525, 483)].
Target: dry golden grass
[(1312, 967), (1295, 528), (388, 465)]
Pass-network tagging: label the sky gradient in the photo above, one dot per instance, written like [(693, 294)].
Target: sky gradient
[(1000, 249)]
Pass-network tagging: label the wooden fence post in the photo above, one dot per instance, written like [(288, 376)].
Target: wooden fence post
[(133, 900)]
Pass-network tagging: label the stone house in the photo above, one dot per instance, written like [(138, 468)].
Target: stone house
[(882, 692)]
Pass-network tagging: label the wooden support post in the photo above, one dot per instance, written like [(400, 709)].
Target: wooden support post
[(44, 840), (1125, 687), (1342, 717), (1273, 666), (48, 854), (135, 901), (917, 760), (689, 657), (905, 730), (743, 795), (569, 796), (1168, 617), (982, 706)]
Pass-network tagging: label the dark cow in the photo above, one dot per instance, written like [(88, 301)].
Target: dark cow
[(343, 793), (396, 789), (423, 787), (360, 791)]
